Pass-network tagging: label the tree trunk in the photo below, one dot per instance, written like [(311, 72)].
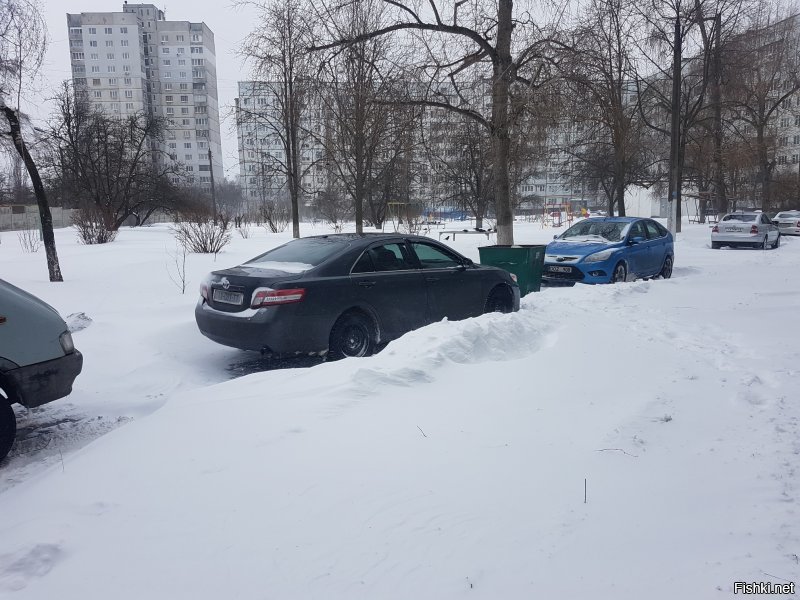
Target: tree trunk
[(674, 183), (501, 139), (45, 216), (720, 199)]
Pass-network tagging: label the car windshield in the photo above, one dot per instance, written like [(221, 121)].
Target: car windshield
[(600, 231), (298, 255), (742, 218), (788, 215)]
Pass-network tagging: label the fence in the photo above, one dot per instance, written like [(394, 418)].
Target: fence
[(27, 217)]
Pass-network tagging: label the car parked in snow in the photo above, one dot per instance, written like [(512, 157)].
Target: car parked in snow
[(345, 294), (38, 361), (609, 249), (788, 222), (753, 229)]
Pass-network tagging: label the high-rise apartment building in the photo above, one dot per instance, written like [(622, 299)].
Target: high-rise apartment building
[(137, 61)]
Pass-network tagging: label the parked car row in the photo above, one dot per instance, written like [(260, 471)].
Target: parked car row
[(788, 222)]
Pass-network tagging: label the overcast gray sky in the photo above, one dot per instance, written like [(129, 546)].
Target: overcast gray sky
[(228, 24)]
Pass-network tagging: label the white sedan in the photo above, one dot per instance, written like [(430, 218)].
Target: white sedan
[(788, 222), (752, 229)]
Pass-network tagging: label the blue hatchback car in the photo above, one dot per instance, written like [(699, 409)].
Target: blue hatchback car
[(609, 249)]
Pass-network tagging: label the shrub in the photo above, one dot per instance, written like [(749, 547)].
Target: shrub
[(91, 226), (199, 234)]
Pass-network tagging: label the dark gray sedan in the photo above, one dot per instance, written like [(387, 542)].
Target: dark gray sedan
[(346, 294)]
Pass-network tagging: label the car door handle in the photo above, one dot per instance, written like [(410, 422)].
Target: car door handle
[(366, 284)]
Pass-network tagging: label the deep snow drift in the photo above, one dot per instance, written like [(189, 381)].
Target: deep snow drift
[(631, 441)]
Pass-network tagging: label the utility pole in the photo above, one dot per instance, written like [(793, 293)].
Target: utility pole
[(213, 191), (674, 155)]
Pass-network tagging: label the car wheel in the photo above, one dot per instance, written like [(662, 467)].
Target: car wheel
[(351, 336), (666, 270), (716, 245), (8, 427), (499, 300), (620, 273), (777, 241)]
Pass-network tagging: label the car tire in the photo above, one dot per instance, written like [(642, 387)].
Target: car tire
[(666, 270), (8, 427), (352, 336), (777, 242), (716, 245), (620, 273), (499, 300)]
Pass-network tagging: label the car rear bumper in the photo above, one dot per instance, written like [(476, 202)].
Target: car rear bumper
[(43, 382), (789, 230), (738, 238), (276, 330)]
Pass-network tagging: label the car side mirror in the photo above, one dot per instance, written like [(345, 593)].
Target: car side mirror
[(467, 263), (636, 240)]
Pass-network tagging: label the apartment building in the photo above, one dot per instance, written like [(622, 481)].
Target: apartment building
[(136, 61)]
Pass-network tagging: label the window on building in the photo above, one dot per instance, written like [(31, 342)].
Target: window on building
[(187, 135), (167, 75), (93, 43), (189, 168), (197, 62), (184, 87), (129, 106), (170, 110), (129, 93), (108, 31), (95, 82), (186, 122), (95, 69), (109, 43), (794, 158), (184, 110), (782, 160), (184, 98), (112, 81), (165, 50), (75, 31), (785, 122), (196, 37), (204, 168), (112, 69), (188, 156), (187, 145), (202, 144), (181, 51), (166, 62), (183, 74), (123, 43), (181, 62), (127, 81), (94, 56), (197, 49), (126, 55), (123, 30), (77, 56), (110, 56), (201, 121), (168, 98), (164, 38), (178, 38), (167, 86), (114, 94), (92, 30), (98, 94)]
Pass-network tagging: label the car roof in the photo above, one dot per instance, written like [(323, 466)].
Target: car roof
[(371, 236), (614, 219), (743, 212)]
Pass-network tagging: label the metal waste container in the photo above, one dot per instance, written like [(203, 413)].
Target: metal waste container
[(525, 261)]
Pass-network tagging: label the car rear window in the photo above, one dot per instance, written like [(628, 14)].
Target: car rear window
[(742, 218), (299, 255), (788, 215)]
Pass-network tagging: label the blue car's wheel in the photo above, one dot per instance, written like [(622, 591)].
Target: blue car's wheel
[(666, 270), (620, 273)]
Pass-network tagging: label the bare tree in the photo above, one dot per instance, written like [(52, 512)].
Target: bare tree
[(23, 41), (762, 73), (111, 162), (277, 51), (508, 48)]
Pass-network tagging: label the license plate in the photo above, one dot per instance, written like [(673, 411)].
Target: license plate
[(733, 229), (559, 269), (228, 297)]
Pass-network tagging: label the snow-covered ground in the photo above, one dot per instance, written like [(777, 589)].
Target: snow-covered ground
[(631, 441)]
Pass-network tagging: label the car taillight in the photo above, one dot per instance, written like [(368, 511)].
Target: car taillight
[(754, 229), (269, 297), (715, 229), (798, 224)]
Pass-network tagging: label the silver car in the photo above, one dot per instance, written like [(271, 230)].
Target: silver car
[(788, 222), (752, 229)]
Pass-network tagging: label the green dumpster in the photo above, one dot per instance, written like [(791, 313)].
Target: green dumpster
[(524, 261)]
